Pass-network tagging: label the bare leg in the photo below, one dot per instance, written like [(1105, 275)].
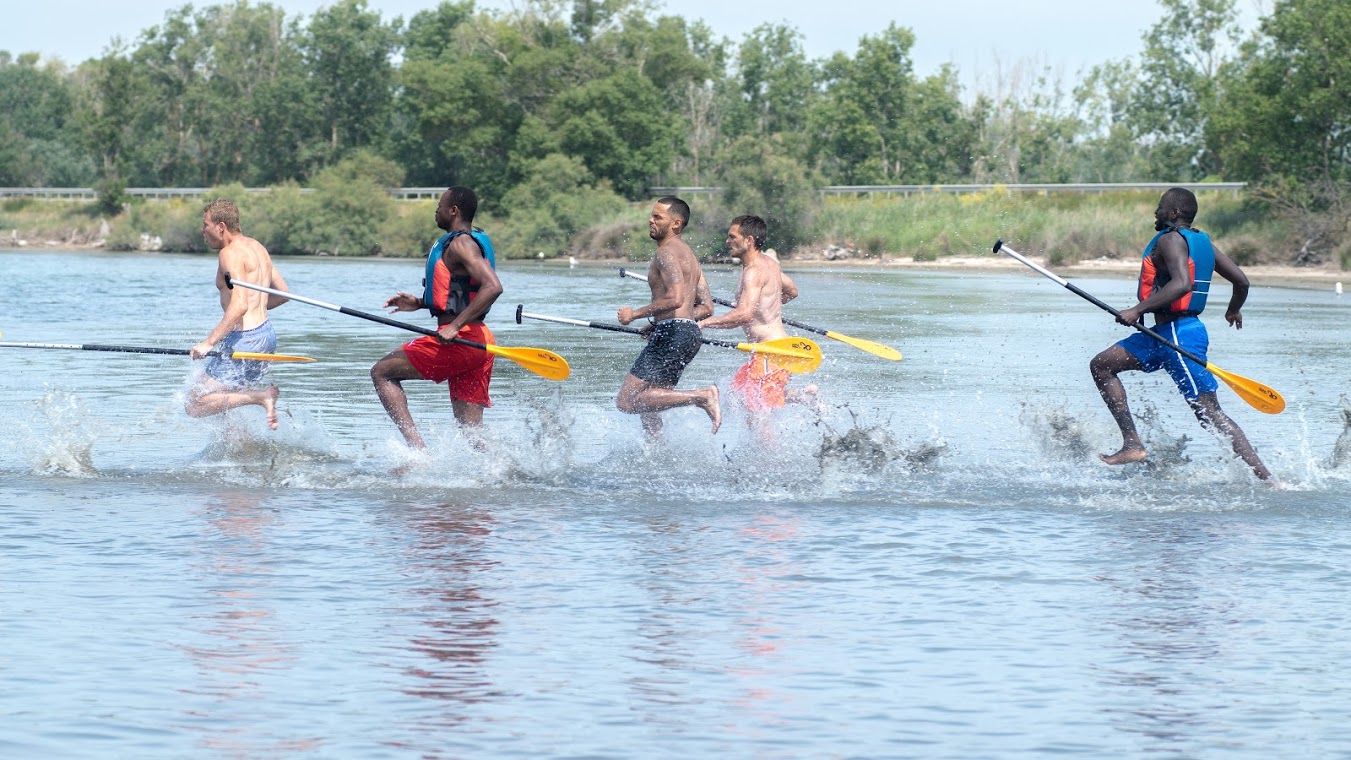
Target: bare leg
[(641, 397), (1105, 368), (470, 417), (1207, 410), (387, 374), (210, 397)]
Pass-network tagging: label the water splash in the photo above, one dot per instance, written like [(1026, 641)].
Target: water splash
[(1341, 450), (68, 447), (871, 449), (1058, 434)]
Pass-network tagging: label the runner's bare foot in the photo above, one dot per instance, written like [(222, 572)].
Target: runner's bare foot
[(1126, 455), (270, 395), (708, 401)]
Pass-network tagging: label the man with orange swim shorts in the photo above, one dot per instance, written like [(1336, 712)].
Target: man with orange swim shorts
[(760, 296), (459, 288), (761, 385)]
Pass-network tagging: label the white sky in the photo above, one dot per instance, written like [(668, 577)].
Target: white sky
[(976, 35)]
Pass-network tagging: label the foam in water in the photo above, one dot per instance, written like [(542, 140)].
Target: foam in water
[(67, 449), (1341, 450)]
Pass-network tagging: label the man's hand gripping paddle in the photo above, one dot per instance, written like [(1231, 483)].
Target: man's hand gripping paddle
[(1260, 397), (797, 355), (872, 347), (546, 364)]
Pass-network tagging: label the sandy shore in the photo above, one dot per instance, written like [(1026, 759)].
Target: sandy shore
[(1314, 278)]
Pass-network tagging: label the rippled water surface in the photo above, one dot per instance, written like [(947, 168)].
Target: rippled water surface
[(931, 564)]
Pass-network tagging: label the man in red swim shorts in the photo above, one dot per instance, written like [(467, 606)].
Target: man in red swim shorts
[(459, 288)]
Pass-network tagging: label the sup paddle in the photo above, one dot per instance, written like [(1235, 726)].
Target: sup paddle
[(151, 350), (872, 347), (546, 364), (797, 355), (1258, 396)]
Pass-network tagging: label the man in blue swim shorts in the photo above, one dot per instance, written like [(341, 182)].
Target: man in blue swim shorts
[(679, 297), (228, 383), (1175, 275)]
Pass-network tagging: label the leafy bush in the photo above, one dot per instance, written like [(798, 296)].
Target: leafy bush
[(557, 199), (759, 176)]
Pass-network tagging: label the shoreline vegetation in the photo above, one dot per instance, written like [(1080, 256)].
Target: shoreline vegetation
[(343, 217), (1079, 235)]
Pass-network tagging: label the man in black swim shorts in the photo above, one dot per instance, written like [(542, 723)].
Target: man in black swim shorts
[(679, 297)]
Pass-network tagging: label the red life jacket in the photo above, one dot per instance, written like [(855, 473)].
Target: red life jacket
[(446, 293)]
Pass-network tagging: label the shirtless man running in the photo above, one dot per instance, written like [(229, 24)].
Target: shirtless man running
[(760, 296), (679, 297), (230, 383)]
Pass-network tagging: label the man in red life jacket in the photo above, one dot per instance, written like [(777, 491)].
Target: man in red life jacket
[(459, 288), (1175, 275), (679, 297)]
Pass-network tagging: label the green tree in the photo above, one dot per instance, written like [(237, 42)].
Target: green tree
[(349, 52), (1180, 84), (617, 127), (39, 143), (760, 176), (776, 80), (558, 198), (1286, 121)]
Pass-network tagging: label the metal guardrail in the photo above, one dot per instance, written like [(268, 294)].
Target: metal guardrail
[(415, 193), (1067, 187)]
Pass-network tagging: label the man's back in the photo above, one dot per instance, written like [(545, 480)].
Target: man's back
[(246, 259), (762, 280)]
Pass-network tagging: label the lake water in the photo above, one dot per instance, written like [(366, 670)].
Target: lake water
[(932, 564)]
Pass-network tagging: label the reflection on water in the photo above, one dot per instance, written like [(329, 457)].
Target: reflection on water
[(450, 566), (1168, 626), (237, 647)]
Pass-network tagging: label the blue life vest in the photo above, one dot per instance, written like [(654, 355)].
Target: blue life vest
[(445, 293), (1200, 263)]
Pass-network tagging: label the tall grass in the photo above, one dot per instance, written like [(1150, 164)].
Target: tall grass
[(1064, 227)]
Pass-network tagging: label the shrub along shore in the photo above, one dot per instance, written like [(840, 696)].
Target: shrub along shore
[(349, 217)]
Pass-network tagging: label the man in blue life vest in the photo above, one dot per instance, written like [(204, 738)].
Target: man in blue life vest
[(459, 288), (1175, 275)]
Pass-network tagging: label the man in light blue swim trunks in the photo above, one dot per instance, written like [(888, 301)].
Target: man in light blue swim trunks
[(1175, 275), (229, 383)]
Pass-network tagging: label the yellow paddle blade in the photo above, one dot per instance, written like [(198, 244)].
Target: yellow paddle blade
[(872, 347), (270, 357), (1260, 397), (546, 364), (797, 355)]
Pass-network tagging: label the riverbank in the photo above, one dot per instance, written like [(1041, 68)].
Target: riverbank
[(949, 231), (1319, 277)]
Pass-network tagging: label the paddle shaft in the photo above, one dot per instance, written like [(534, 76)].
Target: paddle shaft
[(1075, 289), (351, 312), (724, 302), (603, 326), (115, 349)]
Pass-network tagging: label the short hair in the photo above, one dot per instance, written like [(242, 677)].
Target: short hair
[(678, 207), (221, 211), (465, 200), (1183, 201), (752, 225)]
